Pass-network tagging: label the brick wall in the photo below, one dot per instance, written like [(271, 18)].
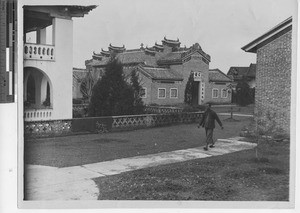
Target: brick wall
[(219, 99), (273, 85)]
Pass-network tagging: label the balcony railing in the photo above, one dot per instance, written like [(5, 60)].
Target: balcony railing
[(39, 52), (37, 114)]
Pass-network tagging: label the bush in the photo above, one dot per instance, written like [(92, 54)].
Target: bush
[(193, 108), (112, 95), (244, 94), (77, 101)]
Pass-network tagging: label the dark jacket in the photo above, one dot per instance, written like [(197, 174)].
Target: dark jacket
[(210, 121)]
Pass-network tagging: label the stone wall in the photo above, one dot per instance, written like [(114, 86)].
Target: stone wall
[(273, 85)]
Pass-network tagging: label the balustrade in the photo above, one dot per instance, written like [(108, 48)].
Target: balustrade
[(37, 114), (39, 52)]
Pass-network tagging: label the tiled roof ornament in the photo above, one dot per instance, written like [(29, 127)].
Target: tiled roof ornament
[(105, 53), (170, 42), (142, 46), (116, 49), (196, 46), (150, 50), (158, 47), (97, 56)]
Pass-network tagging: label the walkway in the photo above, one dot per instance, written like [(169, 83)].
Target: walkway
[(76, 182)]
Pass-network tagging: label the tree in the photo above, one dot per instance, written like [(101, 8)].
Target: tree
[(243, 94), (137, 88), (112, 95), (188, 92), (87, 84)]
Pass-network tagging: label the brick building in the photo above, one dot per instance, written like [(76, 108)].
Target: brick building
[(163, 69), (273, 76), (243, 73), (219, 85)]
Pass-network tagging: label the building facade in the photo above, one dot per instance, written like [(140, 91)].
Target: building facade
[(48, 61), (273, 76), (164, 70), (247, 74), (219, 87)]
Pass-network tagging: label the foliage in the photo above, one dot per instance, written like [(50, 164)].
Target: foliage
[(112, 95), (137, 88), (193, 108), (78, 113), (188, 92), (87, 84), (243, 94)]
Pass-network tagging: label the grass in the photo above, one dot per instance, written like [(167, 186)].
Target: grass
[(92, 148), (236, 109), (233, 177)]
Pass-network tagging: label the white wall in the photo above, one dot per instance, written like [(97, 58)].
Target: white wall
[(60, 70)]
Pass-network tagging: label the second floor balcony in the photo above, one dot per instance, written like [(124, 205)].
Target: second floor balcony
[(39, 52)]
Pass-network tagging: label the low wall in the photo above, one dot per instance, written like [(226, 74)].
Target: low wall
[(105, 124), (162, 110)]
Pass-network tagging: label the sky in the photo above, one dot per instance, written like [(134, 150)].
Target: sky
[(221, 27)]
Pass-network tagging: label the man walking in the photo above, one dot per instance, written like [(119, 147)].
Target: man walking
[(208, 122)]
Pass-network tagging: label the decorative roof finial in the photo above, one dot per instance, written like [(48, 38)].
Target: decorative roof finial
[(142, 46)]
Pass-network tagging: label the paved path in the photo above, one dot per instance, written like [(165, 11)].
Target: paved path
[(75, 183), (235, 114)]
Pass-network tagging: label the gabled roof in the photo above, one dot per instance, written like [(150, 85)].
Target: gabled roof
[(151, 56), (159, 73), (216, 75), (240, 72), (171, 58), (269, 36)]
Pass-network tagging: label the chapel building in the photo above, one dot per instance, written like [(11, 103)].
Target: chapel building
[(163, 69)]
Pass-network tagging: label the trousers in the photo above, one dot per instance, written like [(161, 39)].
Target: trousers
[(209, 136)]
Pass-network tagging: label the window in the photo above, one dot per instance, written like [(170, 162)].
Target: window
[(224, 93), (143, 92), (161, 93), (215, 93), (173, 93)]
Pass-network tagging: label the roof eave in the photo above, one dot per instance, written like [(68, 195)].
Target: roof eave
[(252, 46)]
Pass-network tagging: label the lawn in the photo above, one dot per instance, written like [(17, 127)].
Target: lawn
[(92, 148), (236, 109), (233, 177)]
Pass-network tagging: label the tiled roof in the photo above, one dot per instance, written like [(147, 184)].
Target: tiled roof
[(78, 73), (102, 62), (238, 71), (170, 57), (217, 75), (137, 57), (151, 56), (252, 70), (158, 73), (127, 57)]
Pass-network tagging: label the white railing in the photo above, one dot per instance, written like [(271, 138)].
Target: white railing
[(39, 52), (37, 114)]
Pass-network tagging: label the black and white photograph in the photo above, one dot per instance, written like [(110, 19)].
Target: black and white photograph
[(148, 103)]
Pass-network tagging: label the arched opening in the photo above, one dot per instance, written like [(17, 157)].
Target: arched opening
[(37, 89), (30, 91)]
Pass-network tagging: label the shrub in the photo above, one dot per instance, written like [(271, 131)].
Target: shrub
[(112, 95), (188, 92), (244, 96)]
